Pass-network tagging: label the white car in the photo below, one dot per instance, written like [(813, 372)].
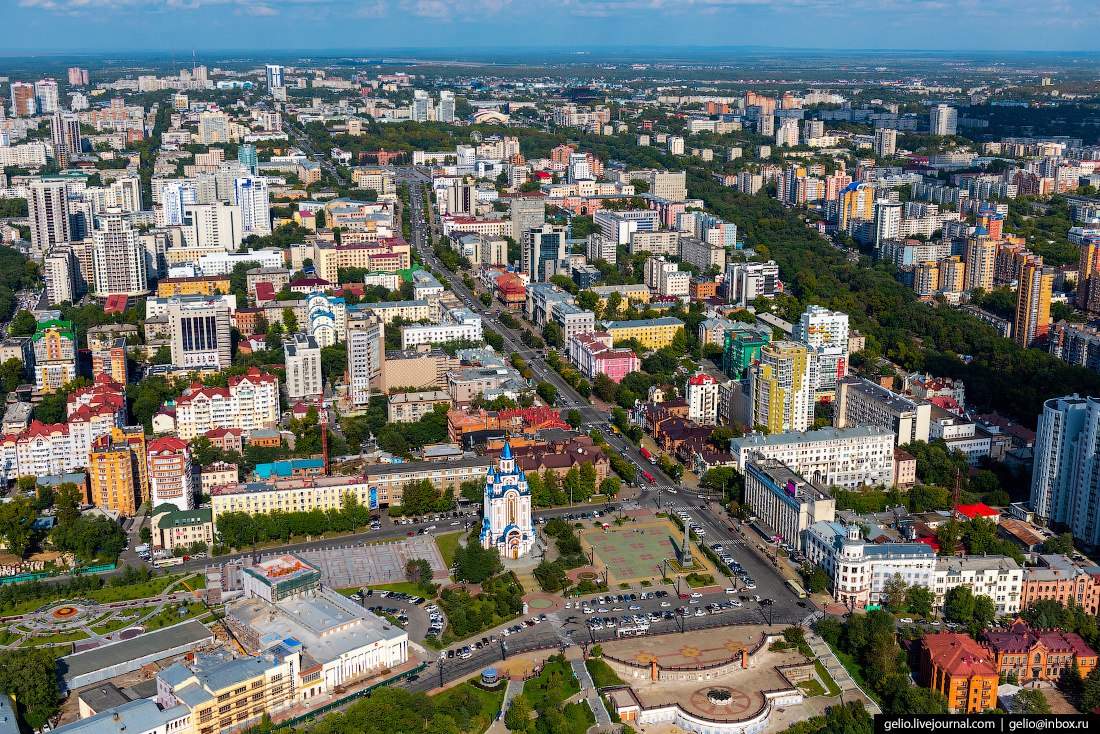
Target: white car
[(735, 603), (588, 610), (728, 591), (666, 604), (750, 585), (907, 620), (696, 595)]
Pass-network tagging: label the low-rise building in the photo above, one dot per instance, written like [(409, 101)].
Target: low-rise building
[(409, 407), (1038, 655), (173, 528), (998, 577), (1058, 579), (862, 402), (594, 354), (650, 333)]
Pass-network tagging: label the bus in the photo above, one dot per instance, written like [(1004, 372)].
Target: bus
[(798, 590), (648, 456), (649, 477), (164, 562), (615, 430)]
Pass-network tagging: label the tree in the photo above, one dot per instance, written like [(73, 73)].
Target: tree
[(16, 518), (290, 321), (920, 600), (720, 438), (29, 675), (985, 611), (1059, 544), (23, 324), (947, 535), (145, 534), (893, 594), (1090, 691), (553, 336), (11, 374), (476, 564), (1030, 701), (547, 392), (418, 571), (958, 604), (518, 715), (817, 581), (574, 418), (611, 486)]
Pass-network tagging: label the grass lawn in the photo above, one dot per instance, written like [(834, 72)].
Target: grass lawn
[(823, 674), (491, 703), (403, 586), (108, 594), (556, 678), (811, 688), (448, 544), (602, 674), (114, 625), (696, 580), (170, 616), (47, 639)]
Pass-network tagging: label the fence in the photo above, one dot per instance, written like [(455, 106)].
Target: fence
[(55, 574), (349, 698)]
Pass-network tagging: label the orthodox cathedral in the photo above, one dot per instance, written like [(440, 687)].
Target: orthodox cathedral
[(508, 525)]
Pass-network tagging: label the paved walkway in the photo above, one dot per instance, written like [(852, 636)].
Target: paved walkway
[(594, 701), (515, 687), (825, 654)]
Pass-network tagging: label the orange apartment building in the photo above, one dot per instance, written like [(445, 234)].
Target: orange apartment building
[(1034, 655), (1062, 581), (118, 478), (961, 669)]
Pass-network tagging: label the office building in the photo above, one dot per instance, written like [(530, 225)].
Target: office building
[(247, 157), (274, 77), (22, 100), (786, 502), (1065, 480), (461, 324), (572, 320), (702, 399), (860, 456), (526, 213), (543, 249), (862, 402), (54, 355), (48, 207), (65, 135), (1032, 324), (119, 262), (200, 332), (782, 387), (650, 333), (250, 402), (251, 195), (170, 477), (302, 355), (578, 168), (886, 142), (446, 110), (943, 120), (826, 333), (46, 97), (366, 354)]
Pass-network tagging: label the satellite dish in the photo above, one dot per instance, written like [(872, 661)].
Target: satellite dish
[(475, 137)]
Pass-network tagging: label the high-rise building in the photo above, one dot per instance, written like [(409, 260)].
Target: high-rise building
[(702, 399), (857, 201), (175, 195), (366, 353), (786, 135), (65, 133), (981, 260), (274, 76), (59, 268), (1065, 480), (200, 333), (943, 120), (675, 145), (48, 206), (119, 264), (579, 170), (78, 77), (446, 111), (1033, 304), (1088, 277), (782, 387), (46, 96), (886, 141), (421, 106), (251, 195), (117, 472), (54, 355), (247, 157), (22, 99), (887, 221), (302, 354), (543, 249), (170, 477), (109, 358), (826, 333), (213, 128)]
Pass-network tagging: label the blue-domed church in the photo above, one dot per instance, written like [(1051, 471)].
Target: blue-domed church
[(508, 524)]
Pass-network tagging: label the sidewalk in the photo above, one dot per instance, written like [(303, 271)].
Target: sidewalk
[(515, 687), (825, 654), (595, 703)]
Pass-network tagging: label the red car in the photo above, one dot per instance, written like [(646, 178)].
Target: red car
[(410, 533), (684, 596)]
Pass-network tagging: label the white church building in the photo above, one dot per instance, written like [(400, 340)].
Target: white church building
[(508, 525)]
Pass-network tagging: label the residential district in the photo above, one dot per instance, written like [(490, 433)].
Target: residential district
[(412, 395)]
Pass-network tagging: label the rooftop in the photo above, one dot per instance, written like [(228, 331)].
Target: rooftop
[(151, 643)]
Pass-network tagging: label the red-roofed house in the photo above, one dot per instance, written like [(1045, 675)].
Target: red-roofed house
[(170, 473), (116, 303), (309, 285), (978, 509), (265, 293), (250, 402), (226, 439), (960, 669), (1038, 654)]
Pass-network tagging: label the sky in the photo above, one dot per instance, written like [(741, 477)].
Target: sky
[(73, 26)]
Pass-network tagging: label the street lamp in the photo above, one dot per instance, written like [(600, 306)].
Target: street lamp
[(503, 649), (439, 665)]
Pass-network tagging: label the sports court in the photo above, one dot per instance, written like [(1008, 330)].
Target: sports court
[(635, 551)]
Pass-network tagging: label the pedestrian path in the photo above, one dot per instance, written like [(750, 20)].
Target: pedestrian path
[(594, 701), (527, 580), (515, 687), (838, 672)]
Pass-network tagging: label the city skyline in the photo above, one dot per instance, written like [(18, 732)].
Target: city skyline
[(133, 25)]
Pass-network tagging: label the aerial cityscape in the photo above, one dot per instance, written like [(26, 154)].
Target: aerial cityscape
[(579, 388)]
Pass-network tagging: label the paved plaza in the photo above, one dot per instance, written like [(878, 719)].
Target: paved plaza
[(635, 552), (380, 563)]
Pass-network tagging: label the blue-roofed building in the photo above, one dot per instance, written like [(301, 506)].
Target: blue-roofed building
[(860, 570), (290, 469), (508, 525), (134, 717)]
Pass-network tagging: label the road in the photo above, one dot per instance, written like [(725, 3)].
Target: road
[(303, 142)]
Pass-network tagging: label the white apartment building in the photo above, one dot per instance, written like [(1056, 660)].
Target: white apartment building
[(366, 352), (785, 502), (387, 311), (303, 367), (998, 577), (745, 282), (702, 399), (825, 332), (213, 226), (862, 402), (250, 403), (462, 324), (861, 570), (849, 457), (118, 259), (251, 195)]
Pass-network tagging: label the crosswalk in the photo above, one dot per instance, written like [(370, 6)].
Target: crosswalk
[(554, 619)]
